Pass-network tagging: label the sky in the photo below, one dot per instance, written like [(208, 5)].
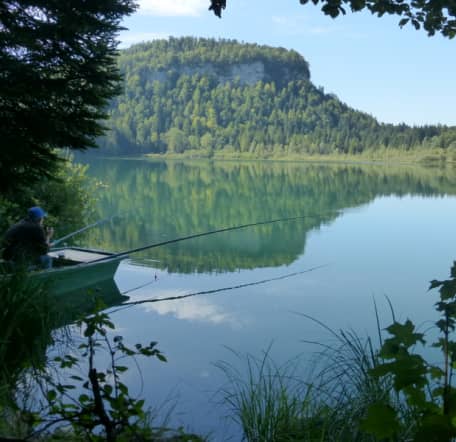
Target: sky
[(396, 75)]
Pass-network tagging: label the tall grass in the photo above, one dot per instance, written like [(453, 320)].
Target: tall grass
[(274, 404), (26, 320), (271, 403)]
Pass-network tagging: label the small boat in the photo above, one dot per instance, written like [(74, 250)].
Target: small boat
[(76, 268)]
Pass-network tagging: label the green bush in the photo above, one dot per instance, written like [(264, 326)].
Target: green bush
[(26, 318), (68, 199)]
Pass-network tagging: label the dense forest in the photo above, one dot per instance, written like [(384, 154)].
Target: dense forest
[(210, 95)]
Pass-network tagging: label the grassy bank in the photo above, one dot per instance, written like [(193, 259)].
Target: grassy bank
[(419, 156), (329, 403)]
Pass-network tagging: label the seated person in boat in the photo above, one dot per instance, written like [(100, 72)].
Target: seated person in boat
[(27, 242)]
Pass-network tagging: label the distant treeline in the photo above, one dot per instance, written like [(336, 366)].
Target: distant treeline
[(202, 94)]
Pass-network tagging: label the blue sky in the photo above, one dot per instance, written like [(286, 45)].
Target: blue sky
[(396, 75)]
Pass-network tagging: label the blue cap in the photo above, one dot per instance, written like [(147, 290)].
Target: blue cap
[(36, 213)]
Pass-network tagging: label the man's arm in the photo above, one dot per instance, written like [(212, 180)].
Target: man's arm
[(49, 231)]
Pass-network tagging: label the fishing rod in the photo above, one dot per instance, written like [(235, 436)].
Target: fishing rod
[(83, 229), (198, 235), (212, 291)]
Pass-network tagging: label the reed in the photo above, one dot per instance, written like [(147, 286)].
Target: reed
[(272, 403), (329, 403)]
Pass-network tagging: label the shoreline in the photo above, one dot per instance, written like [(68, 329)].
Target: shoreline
[(423, 158)]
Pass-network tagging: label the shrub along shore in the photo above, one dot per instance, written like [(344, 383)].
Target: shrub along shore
[(430, 157)]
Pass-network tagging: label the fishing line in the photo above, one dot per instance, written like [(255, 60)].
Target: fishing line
[(210, 292), (139, 287)]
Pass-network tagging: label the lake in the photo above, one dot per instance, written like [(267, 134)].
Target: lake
[(367, 232)]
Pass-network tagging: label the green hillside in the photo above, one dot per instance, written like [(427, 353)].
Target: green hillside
[(210, 95)]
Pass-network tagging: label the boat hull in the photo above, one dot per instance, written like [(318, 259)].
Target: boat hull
[(77, 269)]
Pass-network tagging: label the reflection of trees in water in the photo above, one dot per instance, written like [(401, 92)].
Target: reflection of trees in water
[(165, 200)]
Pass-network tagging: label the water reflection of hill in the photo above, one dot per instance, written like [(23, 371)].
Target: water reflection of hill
[(165, 200)]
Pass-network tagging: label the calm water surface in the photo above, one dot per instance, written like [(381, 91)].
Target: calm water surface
[(375, 230)]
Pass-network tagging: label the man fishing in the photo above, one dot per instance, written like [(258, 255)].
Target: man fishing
[(27, 242)]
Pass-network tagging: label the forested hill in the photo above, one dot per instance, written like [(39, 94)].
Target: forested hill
[(220, 95)]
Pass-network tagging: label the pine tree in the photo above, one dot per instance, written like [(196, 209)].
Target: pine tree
[(58, 72)]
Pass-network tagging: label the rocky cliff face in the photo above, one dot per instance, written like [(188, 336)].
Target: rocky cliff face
[(247, 73), (224, 61)]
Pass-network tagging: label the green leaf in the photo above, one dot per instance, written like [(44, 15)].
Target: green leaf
[(123, 388), (139, 404), (109, 324), (435, 427), (448, 290), (453, 270), (436, 372), (51, 395), (84, 398), (126, 350), (382, 369), (434, 283), (101, 377), (381, 421), (403, 337), (451, 402), (416, 24), (76, 378), (416, 397)]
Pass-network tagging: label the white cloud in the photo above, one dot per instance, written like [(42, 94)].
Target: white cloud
[(172, 7), (192, 309)]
